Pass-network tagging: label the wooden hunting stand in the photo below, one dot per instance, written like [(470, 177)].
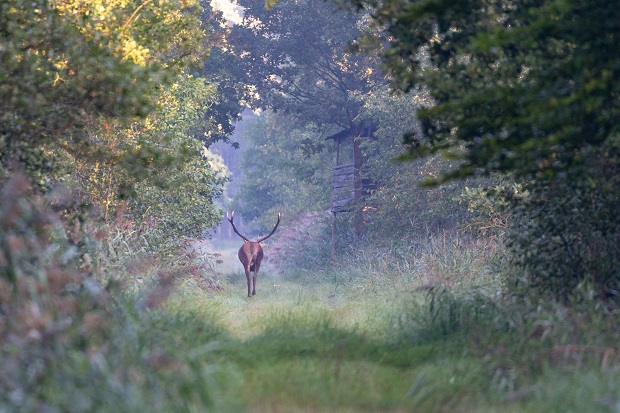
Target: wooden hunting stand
[(348, 185)]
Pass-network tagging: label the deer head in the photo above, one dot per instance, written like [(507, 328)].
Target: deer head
[(251, 252)]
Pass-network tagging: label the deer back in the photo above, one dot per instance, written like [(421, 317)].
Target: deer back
[(250, 252)]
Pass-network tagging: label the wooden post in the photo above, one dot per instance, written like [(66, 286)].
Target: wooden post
[(333, 236), (357, 183), (337, 152)]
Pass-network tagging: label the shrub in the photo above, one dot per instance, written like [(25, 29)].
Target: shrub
[(489, 209), (565, 237), (67, 344)]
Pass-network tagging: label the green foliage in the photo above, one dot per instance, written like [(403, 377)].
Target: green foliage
[(155, 172), (336, 340), (223, 70), (310, 233), (374, 336), (489, 208), (27, 227), (399, 207), (441, 313), (524, 87), (178, 201), (68, 344), (64, 64), (284, 171), (297, 58), (564, 238), (434, 262), (87, 115)]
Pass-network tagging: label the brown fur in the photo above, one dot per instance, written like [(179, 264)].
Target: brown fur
[(251, 254)]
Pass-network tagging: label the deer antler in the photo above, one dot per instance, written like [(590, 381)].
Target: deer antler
[(230, 219), (274, 229)]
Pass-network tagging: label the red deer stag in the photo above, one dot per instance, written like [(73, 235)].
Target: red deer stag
[(251, 252)]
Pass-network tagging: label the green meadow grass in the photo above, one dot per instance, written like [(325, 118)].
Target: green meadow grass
[(381, 338), (424, 329)]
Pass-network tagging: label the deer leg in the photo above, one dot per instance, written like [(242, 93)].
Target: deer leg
[(256, 267), (247, 276)]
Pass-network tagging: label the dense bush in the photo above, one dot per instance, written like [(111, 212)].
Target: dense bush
[(489, 209), (438, 312), (565, 236), (69, 344), (67, 66), (399, 207)]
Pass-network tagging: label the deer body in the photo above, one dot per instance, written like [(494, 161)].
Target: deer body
[(251, 254)]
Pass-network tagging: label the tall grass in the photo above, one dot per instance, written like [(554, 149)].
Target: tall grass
[(444, 260), (448, 292)]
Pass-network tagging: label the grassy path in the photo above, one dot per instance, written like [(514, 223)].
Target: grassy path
[(308, 347), (318, 343), (337, 343)]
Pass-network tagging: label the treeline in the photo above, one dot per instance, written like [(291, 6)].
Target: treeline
[(506, 112), (106, 108)]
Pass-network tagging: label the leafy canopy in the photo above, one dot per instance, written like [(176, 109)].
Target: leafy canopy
[(526, 87), (65, 63), (285, 171), (296, 57), (95, 97)]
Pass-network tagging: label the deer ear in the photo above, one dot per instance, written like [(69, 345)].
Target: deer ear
[(245, 240)]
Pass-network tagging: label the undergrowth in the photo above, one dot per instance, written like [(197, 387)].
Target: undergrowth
[(77, 336), (424, 326)]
